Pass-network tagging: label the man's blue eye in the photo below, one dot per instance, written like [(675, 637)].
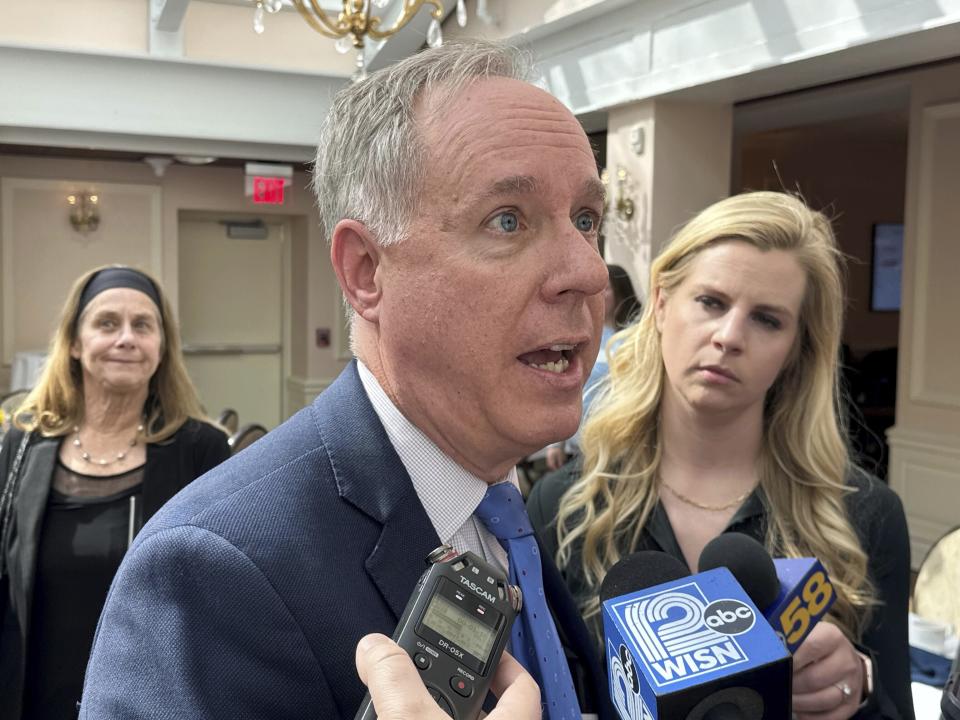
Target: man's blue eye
[(508, 221), (585, 222)]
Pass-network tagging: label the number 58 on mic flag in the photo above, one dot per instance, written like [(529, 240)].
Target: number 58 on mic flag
[(806, 595)]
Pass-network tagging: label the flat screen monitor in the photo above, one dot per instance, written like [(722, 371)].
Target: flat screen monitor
[(887, 264)]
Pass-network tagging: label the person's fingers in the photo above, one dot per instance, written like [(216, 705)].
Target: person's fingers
[(829, 683), (519, 696), (840, 666), (393, 681), (821, 641), (824, 700), (507, 672), (825, 671)]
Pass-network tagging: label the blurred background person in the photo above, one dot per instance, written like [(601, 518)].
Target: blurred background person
[(111, 431), (722, 414), (620, 307)]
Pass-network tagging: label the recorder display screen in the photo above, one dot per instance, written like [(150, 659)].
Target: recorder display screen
[(466, 632)]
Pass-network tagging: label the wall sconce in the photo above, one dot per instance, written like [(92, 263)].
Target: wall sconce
[(84, 211), (621, 203)]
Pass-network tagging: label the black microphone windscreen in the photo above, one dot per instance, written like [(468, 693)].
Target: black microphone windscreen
[(749, 562), (640, 570)]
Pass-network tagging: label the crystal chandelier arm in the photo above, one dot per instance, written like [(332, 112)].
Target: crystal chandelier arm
[(410, 8), (319, 20)]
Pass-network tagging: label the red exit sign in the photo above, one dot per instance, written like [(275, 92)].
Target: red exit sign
[(268, 190)]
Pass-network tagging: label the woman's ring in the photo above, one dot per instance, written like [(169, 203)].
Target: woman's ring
[(845, 689)]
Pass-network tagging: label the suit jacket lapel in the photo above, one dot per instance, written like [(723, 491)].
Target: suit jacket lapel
[(371, 477)]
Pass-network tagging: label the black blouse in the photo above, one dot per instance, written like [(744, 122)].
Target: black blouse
[(877, 516), (170, 466), (84, 539)]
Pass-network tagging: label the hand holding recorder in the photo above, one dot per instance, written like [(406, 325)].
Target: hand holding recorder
[(399, 694)]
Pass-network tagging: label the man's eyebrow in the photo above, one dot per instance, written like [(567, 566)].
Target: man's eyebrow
[(510, 186), (594, 191)]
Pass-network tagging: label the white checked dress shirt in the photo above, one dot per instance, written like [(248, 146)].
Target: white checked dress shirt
[(448, 493)]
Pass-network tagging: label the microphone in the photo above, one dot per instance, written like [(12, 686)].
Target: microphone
[(795, 593), (689, 647)]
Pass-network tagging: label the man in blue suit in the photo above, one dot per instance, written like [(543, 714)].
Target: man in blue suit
[(462, 206)]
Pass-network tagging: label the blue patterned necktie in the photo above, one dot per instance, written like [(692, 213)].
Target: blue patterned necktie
[(535, 642)]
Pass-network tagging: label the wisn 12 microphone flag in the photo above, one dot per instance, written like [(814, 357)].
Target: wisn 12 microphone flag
[(681, 649)]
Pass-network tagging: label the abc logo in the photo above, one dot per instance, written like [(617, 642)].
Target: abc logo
[(629, 669), (729, 617)]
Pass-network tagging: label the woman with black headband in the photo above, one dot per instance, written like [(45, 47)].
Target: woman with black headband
[(112, 430)]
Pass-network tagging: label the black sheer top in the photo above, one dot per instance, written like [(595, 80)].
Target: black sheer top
[(86, 531)]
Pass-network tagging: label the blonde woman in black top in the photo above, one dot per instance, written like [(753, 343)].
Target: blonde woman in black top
[(721, 413)]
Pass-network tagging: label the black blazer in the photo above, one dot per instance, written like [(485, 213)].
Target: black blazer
[(246, 595), (171, 465)]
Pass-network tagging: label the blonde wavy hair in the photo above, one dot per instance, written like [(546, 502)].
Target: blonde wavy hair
[(55, 405), (804, 458)]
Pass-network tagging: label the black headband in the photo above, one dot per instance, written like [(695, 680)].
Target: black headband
[(118, 277)]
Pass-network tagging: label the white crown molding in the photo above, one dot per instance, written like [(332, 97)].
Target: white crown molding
[(69, 97), (612, 52)]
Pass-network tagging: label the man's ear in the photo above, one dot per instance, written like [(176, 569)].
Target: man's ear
[(659, 307), (355, 255)]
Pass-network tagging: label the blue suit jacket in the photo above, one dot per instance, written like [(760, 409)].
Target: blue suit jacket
[(246, 595)]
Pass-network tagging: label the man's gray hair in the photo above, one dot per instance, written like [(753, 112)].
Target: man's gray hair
[(371, 158)]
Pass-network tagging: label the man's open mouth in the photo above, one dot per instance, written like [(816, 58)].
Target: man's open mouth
[(555, 358)]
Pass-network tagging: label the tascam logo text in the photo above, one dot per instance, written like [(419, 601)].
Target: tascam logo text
[(478, 590)]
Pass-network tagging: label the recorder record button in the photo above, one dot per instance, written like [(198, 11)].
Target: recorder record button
[(461, 686)]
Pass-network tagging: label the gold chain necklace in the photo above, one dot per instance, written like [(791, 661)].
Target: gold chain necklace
[(103, 462), (703, 506)]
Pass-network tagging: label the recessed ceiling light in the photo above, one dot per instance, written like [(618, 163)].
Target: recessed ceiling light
[(195, 159)]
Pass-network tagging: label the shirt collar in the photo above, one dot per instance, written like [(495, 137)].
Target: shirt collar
[(448, 492), (660, 529)]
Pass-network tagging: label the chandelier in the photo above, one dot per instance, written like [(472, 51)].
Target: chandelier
[(355, 22)]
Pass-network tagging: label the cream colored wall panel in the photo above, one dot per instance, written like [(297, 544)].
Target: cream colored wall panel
[(231, 290), (302, 391), (102, 25), (934, 379), (232, 295), (247, 383), (677, 156), (42, 255), (925, 472), (224, 34), (925, 442)]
